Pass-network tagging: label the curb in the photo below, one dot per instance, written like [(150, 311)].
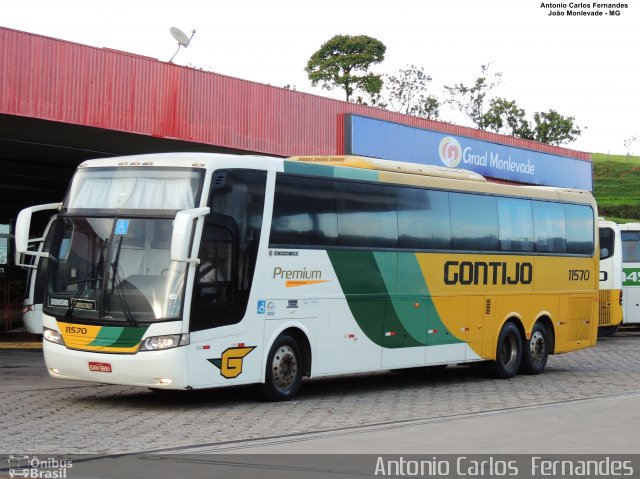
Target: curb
[(20, 345)]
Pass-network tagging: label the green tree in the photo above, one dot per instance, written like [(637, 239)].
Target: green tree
[(504, 116), (344, 62), (407, 92), (470, 100), (553, 128), (373, 99)]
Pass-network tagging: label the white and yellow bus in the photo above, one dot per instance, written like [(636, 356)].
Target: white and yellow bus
[(630, 233), (611, 295), (183, 271)]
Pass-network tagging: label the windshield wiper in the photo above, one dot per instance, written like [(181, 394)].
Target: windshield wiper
[(116, 285), (93, 276), (114, 265)]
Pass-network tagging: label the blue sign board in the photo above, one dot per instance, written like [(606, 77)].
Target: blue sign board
[(392, 141), (261, 306), (122, 227)]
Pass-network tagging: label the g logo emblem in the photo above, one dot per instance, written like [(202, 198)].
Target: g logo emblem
[(230, 364), (450, 152)]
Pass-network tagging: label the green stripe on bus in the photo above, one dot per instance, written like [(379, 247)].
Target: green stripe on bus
[(107, 336), (389, 298), (410, 277), (118, 336), (412, 311), (358, 273), (413, 305), (365, 290), (131, 336), (388, 266), (313, 169), (303, 168), (356, 174)]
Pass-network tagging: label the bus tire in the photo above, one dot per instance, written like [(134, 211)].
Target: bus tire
[(608, 331), (535, 350), (283, 372), (508, 353)]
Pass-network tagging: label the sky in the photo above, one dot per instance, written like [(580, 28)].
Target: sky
[(586, 67)]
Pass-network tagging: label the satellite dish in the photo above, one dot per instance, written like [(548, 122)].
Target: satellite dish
[(182, 39), (180, 36)]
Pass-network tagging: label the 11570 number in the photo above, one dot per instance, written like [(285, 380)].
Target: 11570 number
[(75, 330), (579, 275)]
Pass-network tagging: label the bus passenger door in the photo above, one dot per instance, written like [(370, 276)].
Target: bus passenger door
[(212, 304)]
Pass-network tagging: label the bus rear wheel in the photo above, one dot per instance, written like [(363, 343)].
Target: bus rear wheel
[(508, 353), (607, 331), (535, 351), (283, 375)]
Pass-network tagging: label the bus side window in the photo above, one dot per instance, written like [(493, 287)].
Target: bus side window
[(549, 227), (630, 246)]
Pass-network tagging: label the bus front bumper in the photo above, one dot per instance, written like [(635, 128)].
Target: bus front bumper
[(152, 369)]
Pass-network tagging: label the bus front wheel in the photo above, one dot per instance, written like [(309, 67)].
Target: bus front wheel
[(535, 350), (283, 375), (508, 353)]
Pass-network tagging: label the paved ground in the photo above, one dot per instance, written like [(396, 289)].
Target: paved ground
[(46, 416), (573, 427)]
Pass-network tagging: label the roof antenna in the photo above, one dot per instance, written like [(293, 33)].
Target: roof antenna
[(182, 39)]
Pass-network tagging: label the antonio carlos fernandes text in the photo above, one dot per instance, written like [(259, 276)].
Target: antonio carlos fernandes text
[(536, 466)]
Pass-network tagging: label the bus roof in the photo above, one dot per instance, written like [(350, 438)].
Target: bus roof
[(387, 172), (629, 226), (173, 159)]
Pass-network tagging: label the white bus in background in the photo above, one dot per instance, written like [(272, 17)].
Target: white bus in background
[(32, 303), (610, 297), (630, 234)]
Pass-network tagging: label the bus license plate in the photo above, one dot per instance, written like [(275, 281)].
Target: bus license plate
[(99, 367)]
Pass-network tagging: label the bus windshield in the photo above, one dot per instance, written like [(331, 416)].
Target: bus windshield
[(607, 237), (114, 269), (134, 188)]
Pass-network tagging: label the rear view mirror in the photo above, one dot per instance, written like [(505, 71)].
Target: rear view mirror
[(182, 233), (23, 225)]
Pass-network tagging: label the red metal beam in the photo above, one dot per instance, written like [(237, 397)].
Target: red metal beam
[(56, 80)]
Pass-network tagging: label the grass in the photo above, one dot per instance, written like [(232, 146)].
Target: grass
[(616, 180)]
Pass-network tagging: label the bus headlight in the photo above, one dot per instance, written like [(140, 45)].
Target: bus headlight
[(156, 343), (52, 336)]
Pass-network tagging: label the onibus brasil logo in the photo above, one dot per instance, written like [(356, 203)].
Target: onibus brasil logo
[(38, 467), (450, 152)]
